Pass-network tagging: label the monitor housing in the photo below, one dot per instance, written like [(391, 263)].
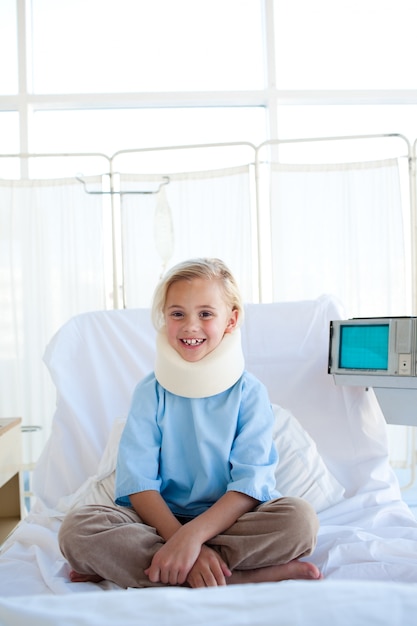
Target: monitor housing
[(384, 346), (378, 353)]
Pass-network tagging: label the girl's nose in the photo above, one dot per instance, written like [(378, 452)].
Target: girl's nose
[(192, 323)]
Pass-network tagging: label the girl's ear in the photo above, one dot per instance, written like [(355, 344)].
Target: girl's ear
[(232, 323)]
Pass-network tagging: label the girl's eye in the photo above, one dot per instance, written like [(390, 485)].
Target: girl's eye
[(176, 314), (206, 314)]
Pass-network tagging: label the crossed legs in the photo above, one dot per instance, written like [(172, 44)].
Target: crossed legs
[(112, 543)]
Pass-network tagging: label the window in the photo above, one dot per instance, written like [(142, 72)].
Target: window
[(9, 133), (8, 48), (104, 76), (141, 46), (345, 44), (327, 120), (109, 130)]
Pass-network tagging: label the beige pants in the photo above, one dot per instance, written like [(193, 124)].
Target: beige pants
[(113, 543)]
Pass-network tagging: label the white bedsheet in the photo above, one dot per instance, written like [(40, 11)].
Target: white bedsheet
[(293, 603), (367, 545), (356, 542)]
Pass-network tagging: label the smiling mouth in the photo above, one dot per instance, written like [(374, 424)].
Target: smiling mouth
[(192, 342)]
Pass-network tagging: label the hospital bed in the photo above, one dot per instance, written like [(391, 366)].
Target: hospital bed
[(332, 442)]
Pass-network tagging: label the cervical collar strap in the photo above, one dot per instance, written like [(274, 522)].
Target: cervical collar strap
[(214, 373)]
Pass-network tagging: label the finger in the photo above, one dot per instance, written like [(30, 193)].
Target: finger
[(226, 571), (182, 577), (212, 580), (196, 581), (173, 577), (169, 577), (217, 575), (153, 573), (223, 566), (212, 575)]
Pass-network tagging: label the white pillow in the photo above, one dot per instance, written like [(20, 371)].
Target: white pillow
[(300, 472), (98, 489)]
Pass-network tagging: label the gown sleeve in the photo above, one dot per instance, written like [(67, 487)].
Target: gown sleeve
[(137, 467)]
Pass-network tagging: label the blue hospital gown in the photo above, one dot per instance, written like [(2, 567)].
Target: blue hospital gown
[(193, 450)]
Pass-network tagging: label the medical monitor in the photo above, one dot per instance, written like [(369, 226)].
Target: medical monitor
[(375, 346)]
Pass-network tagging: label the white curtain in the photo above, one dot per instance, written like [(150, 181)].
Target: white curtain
[(51, 267), (56, 252), (338, 229), (341, 229), (211, 215)]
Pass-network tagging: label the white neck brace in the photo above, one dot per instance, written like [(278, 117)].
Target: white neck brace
[(215, 373)]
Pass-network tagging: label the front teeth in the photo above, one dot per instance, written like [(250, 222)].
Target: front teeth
[(192, 342)]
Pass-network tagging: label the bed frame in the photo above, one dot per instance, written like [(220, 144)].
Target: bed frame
[(333, 448)]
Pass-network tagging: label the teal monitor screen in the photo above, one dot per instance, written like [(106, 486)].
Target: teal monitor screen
[(364, 347)]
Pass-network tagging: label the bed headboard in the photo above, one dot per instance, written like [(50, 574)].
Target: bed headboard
[(96, 359)]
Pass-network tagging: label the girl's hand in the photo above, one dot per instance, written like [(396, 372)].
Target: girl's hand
[(209, 570), (174, 560)]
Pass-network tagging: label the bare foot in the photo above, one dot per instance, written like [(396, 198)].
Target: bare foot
[(294, 570), (76, 577)]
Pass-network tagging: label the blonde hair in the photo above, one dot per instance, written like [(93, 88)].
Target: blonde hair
[(206, 268)]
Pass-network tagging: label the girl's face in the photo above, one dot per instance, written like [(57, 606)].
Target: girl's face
[(197, 317)]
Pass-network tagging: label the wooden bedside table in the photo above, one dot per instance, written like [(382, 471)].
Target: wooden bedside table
[(11, 492)]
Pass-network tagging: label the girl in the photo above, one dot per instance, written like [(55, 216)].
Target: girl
[(195, 497)]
